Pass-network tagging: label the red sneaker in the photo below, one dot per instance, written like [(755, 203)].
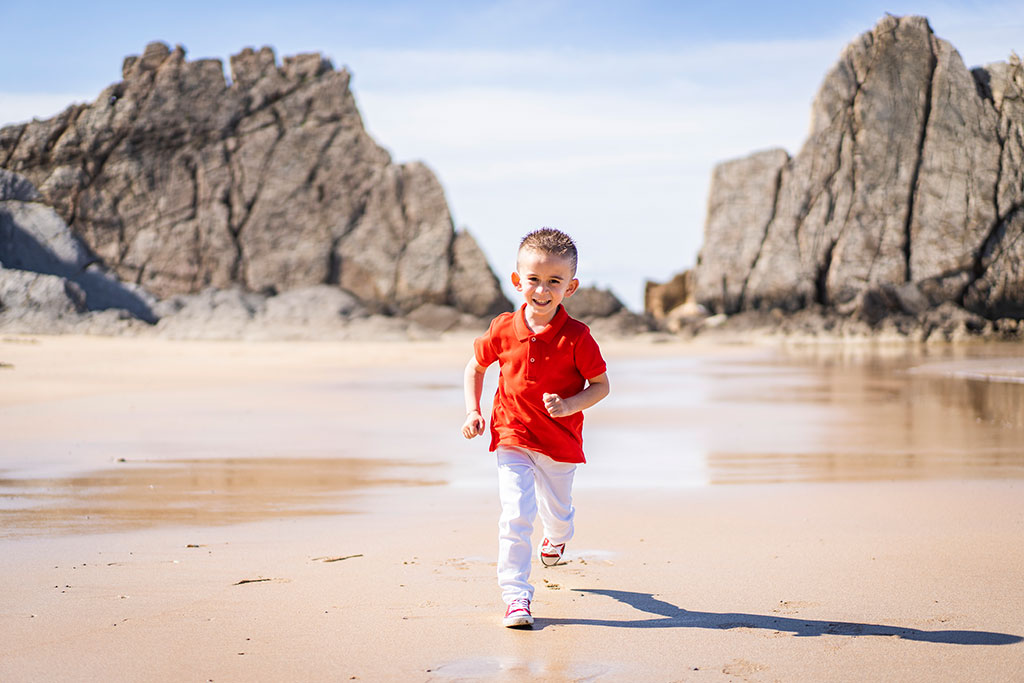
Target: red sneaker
[(518, 614), (551, 554)]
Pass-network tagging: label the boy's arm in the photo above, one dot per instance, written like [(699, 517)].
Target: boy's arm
[(597, 388), (473, 386)]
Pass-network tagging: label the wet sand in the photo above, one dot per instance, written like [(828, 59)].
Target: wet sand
[(220, 511)]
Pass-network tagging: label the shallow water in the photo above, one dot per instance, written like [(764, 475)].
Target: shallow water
[(282, 447), (195, 492), (813, 414)]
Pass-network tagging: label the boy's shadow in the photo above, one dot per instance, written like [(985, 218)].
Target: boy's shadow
[(675, 617)]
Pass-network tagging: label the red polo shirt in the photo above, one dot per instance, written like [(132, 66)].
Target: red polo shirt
[(557, 360)]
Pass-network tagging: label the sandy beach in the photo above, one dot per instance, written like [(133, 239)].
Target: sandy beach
[(221, 511)]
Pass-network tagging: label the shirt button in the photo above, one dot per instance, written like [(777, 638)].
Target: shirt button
[(532, 359), (533, 339)]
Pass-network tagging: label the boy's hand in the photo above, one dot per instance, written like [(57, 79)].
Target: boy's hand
[(555, 406), (474, 425)]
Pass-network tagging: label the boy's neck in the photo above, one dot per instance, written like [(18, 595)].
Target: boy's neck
[(535, 322)]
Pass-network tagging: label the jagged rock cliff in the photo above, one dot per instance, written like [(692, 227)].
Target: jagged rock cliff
[(908, 193), (179, 181)]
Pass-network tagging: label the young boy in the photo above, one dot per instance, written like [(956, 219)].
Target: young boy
[(551, 370)]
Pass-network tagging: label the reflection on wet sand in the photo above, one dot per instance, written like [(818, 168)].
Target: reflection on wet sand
[(195, 492), (764, 468), (897, 417), (220, 449)]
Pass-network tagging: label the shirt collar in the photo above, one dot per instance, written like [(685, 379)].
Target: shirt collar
[(523, 332)]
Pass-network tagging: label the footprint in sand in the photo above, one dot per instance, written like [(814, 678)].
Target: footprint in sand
[(742, 667)]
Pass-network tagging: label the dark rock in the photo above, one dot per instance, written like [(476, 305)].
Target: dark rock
[(382, 328), (34, 238), (435, 317), (475, 289), (311, 307), (741, 205), (946, 322), (23, 292), (623, 323), (949, 322), (874, 304), (911, 300), (14, 187), (589, 303), (210, 314), (1008, 329)]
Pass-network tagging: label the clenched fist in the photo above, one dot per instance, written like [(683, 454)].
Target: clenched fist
[(474, 425), (555, 405)]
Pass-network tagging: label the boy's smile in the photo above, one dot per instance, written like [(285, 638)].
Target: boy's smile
[(545, 280)]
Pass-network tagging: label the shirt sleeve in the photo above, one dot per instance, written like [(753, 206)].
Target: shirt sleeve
[(589, 361), (483, 347)]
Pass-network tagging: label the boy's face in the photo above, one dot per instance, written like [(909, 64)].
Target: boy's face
[(545, 280)]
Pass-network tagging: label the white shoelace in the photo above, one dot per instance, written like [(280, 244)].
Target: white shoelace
[(519, 604)]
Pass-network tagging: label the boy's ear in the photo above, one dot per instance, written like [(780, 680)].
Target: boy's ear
[(516, 282), (573, 286)]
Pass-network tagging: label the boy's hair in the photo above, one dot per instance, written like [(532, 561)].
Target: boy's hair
[(552, 242)]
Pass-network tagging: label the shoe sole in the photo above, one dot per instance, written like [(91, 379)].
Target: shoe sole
[(544, 560), (517, 622), (555, 559)]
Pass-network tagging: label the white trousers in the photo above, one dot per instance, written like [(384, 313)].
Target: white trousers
[(528, 483)]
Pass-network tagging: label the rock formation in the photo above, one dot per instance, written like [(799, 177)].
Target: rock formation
[(589, 303), (907, 195), (49, 283), (662, 298), (177, 182), (671, 305), (45, 271), (606, 315)]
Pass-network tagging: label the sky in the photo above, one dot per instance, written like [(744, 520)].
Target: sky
[(603, 119)]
